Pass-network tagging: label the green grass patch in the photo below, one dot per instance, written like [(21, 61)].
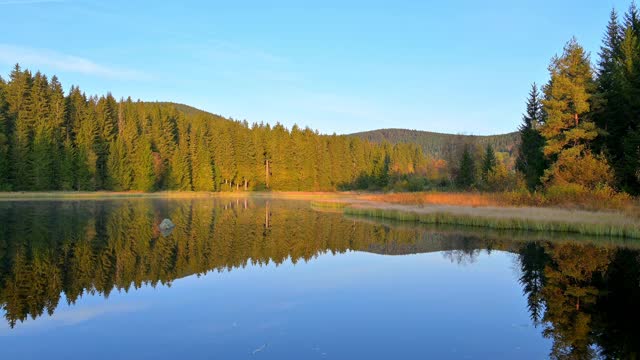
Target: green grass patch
[(614, 229)]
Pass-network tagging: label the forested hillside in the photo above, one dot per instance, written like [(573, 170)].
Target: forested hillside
[(439, 145), (50, 140)]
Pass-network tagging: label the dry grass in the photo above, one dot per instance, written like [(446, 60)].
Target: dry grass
[(601, 223), (586, 201), (435, 198)]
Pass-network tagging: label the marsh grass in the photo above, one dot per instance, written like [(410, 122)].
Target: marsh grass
[(504, 235), (556, 197), (528, 219)]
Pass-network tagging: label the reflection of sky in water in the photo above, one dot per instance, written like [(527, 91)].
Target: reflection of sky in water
[(353, 305)]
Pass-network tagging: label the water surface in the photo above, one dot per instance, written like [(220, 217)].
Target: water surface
[(245, 279)]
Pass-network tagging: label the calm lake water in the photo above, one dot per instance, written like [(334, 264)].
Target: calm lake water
[(250, 279)]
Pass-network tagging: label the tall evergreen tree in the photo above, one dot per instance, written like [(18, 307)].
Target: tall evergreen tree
[(4, 140), (606, 114), (530, 161), (43, 149), (489, 162), (143, 174), (466, 176), (202, 174)]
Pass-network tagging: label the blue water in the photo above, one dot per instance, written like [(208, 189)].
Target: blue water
[(465, 303)]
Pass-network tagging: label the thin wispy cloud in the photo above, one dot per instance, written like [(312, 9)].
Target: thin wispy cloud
[(31, 57)]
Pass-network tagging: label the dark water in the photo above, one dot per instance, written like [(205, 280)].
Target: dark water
[(279, 280)]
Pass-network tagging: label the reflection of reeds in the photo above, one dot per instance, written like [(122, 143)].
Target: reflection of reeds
[(504, 235), (328, 205), (530, 219), (594, 200)]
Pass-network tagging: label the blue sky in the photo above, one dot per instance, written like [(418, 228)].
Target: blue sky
[(336, 66)]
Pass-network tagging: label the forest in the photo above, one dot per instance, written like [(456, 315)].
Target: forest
[(582, 129), (580, 133), (53, 141)]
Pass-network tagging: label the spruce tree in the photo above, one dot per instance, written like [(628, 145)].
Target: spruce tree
[(606, 100), (489, 162), (466, 176), (180, 164), (43, 149), (67, 167), (202, 174), (531, 162), (143, 174), (57, 105), (21, 105), (4, 140)]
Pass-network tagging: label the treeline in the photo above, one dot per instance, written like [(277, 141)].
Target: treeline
[(50, 140), (582, 131)]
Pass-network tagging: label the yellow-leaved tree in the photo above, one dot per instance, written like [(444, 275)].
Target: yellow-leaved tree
[(567, 128)]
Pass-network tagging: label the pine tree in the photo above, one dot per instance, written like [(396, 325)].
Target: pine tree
[(466, 176), (531, 162), (606, 114), (87, 140), (202, 174), (628, 151), (180, 164), (4, 140), (119, 166), (67, 168), (143, 174), (57, 105), (21, 105), (43, 149), (489, 162)]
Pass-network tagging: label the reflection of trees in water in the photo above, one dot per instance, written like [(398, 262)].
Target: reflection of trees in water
[(462, 257), (72, 248), (583, 295)]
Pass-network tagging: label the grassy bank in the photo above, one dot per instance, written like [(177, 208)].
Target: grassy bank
[(435, 231), (567, 197), (528, 219)]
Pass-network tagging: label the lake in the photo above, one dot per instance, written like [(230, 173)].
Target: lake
[(275, 279)]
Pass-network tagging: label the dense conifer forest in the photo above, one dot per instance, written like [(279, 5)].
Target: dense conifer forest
[(50, 140)]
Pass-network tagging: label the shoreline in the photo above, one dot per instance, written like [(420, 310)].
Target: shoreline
[(107, 195), (536, 219)]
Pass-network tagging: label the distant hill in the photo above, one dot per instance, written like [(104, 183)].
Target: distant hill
[(187, 110), (432, 143), (438, 144)]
